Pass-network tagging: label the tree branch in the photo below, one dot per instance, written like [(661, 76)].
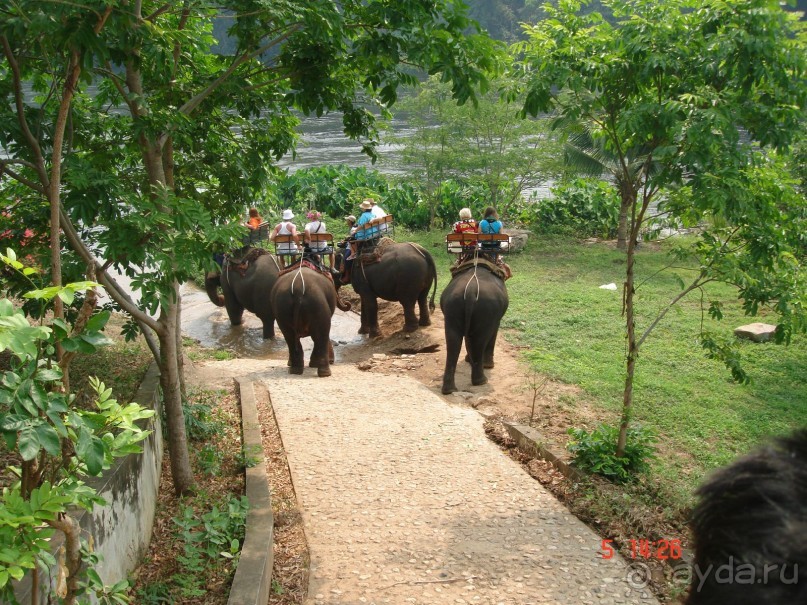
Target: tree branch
[(694, 285), (20, 106), (113, 289), (4, 169), (195, 101)]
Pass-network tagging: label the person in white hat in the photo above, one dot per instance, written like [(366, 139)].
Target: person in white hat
[(366, 216), (286, 227), (378, 212)]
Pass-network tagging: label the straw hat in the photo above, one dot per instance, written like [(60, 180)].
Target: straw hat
[(288, 214), (350, 218), (465, 213), (366, 205)]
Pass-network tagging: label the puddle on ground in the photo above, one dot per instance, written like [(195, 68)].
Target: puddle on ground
[(205, 322)]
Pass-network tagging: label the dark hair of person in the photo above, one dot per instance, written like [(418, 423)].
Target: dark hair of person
[(490, 212)]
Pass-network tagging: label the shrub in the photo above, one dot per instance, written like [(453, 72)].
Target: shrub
[(595, 451), (581, 207)]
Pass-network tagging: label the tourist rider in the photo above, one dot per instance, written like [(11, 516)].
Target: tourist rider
[(255, 220), (315, 225), (490, 224), (286, 227), (378, 212), (359, 235)]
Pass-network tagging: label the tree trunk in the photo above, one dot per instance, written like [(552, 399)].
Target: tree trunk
[(171, 384), (622, 227), (627, 396), (72, 555)]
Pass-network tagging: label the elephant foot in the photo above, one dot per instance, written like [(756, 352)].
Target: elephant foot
[(236, 322), (364, 330), (479, 381), (268, 335), (448, 389), (410, 327), (312, 364), (425, 322), (323, 371), (468, 359), (488, 365), (296, 369), (375, 333)]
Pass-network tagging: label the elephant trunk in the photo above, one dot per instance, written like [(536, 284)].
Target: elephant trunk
[(212, 283), (340, 304)]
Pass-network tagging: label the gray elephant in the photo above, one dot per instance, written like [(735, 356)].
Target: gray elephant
[(246, 279), (303, 301), (473, 304), (403, 272)]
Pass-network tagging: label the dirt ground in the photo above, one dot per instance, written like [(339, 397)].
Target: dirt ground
[(513, 391)]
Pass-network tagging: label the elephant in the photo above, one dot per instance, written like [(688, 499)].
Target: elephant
[(473, 304), (246, 279), (303, 301), (405, 273)]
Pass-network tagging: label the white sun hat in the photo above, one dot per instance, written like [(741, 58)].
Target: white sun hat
[(288, 214)]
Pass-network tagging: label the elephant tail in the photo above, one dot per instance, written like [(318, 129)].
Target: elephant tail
[(212, 283), (433, 270)]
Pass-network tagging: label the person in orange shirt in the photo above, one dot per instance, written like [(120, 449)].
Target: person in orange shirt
[(255, 219)]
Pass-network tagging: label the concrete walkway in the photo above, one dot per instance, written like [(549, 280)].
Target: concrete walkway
[(405, 500)]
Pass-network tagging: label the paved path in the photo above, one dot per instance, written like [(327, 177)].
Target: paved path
[(405, 500)]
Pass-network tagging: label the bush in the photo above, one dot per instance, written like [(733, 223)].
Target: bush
[(329, 189), (582, 207), (595, 451)]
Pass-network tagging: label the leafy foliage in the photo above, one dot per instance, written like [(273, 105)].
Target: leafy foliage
[(484, 147), (680, 101), (583, 207), (56, 444), (595, 451)]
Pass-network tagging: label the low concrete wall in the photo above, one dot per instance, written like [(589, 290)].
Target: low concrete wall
[(253, 577), (121, 530)]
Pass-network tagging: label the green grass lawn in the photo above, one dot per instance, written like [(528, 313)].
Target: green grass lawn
[(576, 334)]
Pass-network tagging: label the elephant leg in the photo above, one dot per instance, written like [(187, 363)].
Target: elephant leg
[(371, 304), (296, 361), (488, 360), (453, 347), (331, 356), (476, 345), (410, 319), (320, 356), (268, 326), (364, 328), (235, 310), (423, 306)]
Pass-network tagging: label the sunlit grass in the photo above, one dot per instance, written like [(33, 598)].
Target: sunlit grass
[(575, 333)]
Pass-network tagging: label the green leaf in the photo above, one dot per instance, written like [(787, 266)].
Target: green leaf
[(28, 441), (49, 439)]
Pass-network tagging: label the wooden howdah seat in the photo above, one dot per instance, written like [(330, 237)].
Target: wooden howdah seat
[(285, 255), (257, 235), (377, 227), (328, 250), (486, 243)]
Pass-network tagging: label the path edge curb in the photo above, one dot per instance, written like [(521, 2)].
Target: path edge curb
[(253, 576), (530, 441)]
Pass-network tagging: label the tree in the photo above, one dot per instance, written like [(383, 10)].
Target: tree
[(485, 144), (685, 98), (145, 142)]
